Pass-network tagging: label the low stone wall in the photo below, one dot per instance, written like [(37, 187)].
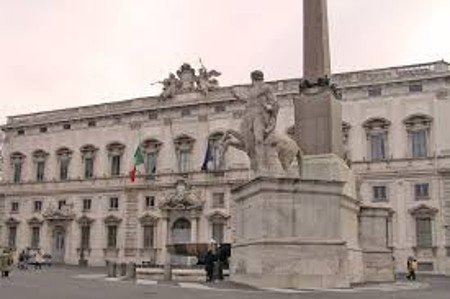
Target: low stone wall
[(193, 275)]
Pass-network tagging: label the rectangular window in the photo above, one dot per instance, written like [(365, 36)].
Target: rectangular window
[(12, 235), (40, 168), (421, 191), (85, 236), (379, 194), (184, 163), (14, 207), (61, 204), (88, 168), (92, 123), (148, 236), (35, 236), (219, 108), (151, 163), (424, 233), (21, 132), (17, 172), (43, 129), (112, 236), (114, 203), (115, 165), (419, 143), (218, 232), (149, 201), (216, 152), (185, 112), (378, 146), (87, 204), (415, 87), (66, 126), (218, 200), (63, 169), (374, 91), (37, 206)]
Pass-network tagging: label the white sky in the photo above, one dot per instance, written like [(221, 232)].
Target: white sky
[(64, 53)]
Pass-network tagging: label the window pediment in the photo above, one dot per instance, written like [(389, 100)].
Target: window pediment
[(12, 222), (64, 152), (376, 124), (40, 155), (85, 220), (148, 219), (423, 211), (184, 142), (35, 221), (418, 121), (112, 220), (115, 148), (151, 145), (17, 157), (217, 216), (88, 148)]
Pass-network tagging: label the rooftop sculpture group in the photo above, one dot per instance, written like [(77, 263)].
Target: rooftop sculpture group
[(187, 80)]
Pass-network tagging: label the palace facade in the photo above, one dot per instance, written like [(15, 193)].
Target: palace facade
[(66, 186)]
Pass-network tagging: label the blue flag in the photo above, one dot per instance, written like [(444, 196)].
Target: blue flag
[(208, 157)]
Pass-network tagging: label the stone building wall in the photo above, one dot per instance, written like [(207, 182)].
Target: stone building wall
[(198, 117)]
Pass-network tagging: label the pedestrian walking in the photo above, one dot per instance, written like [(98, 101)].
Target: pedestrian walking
[(209, 265), (6, 262), (411, 266), (22, 261), (39, 260)]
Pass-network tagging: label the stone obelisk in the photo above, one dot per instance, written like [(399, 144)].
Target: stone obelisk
[(317, 111)]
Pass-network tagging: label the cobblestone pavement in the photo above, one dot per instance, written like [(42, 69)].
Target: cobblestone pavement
[(71, 283)]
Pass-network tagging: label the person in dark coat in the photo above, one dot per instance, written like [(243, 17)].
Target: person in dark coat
[(209, 265)]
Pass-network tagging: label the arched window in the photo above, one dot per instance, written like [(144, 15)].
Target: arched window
[(151, 149), (88, 155), (184, 145), (418, 130), (64, 155), (115, 153), (377, 137), (40, 158), (17, 159)]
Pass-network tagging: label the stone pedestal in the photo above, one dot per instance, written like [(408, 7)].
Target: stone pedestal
[(289, 235), (318, 121), (375, 229)]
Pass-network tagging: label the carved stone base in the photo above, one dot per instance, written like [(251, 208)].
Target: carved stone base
[(288, 234)]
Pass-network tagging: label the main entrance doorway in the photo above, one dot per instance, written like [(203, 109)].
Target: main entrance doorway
[(59, 244)]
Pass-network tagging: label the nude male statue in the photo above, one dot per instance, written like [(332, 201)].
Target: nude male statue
[(259, 119)]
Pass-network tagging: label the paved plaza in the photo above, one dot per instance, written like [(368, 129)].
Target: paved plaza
[(71, 283)]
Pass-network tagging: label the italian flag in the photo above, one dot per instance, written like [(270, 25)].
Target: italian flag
[(138, 159)]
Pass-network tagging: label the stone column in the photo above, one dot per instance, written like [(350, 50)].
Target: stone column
[(318, 115), (316, 49), (194, 230)]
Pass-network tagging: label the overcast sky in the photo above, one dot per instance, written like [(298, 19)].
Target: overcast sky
[(64, 53)]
